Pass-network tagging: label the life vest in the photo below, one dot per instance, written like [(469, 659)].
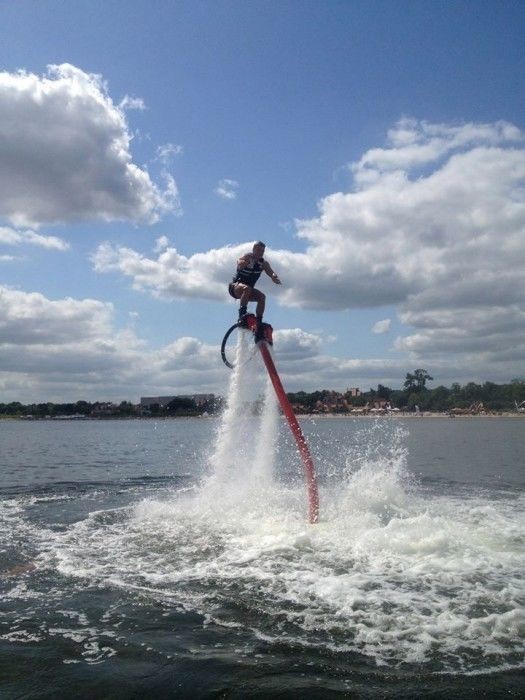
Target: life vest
[(250, 273)]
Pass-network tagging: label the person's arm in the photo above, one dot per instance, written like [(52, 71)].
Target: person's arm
[(267, 268)]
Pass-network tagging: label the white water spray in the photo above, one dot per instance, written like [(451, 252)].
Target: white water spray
[(267, 438), (243, 459)]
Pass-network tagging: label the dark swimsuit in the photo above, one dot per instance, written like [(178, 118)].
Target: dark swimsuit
[(247, 275)]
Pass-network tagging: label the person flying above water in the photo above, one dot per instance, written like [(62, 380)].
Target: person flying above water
[(249, 268)]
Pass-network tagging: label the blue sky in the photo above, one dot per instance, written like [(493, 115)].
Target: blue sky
[(377, 148)]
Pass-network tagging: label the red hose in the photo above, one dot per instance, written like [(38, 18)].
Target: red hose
[(311, 481)]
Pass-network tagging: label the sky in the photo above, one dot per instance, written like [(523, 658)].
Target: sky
[(377, 147)]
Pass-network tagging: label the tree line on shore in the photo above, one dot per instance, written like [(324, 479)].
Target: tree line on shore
[(415, 395), (494, 397), (179, 406)]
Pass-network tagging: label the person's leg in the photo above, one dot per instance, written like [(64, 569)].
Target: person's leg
[(242, 292), (246, 295), (260, 298)]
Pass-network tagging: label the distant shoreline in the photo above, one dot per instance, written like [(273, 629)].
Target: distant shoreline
[(410, 415), (324, 416)]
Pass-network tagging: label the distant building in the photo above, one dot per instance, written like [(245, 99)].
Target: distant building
[(354, 391), (149, 401)]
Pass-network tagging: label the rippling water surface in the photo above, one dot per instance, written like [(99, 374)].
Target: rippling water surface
[(173, 558)]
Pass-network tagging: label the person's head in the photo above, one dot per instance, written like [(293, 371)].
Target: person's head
[(258, 249)]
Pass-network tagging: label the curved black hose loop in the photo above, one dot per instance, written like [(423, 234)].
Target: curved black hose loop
[(223, 345)]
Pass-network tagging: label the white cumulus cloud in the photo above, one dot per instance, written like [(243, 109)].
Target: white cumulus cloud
[(167, 151), (10, 236), (170, 274), (68, 349), (129, 102), (161, 243), (65, 153), (28, 318), (227, 189), (381, 327)]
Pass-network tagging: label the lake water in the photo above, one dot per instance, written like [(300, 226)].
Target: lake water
[(133, 565), (173, 559)]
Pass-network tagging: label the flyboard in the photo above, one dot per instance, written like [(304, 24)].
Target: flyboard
[(250, 322)]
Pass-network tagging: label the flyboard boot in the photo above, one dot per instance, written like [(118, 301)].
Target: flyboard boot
[(243, 317), (260, 330), (255, 324)]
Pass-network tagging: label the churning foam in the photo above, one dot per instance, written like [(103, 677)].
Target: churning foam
[(389, 572)]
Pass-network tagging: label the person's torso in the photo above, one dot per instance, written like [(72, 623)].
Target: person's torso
[(250, 272)]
